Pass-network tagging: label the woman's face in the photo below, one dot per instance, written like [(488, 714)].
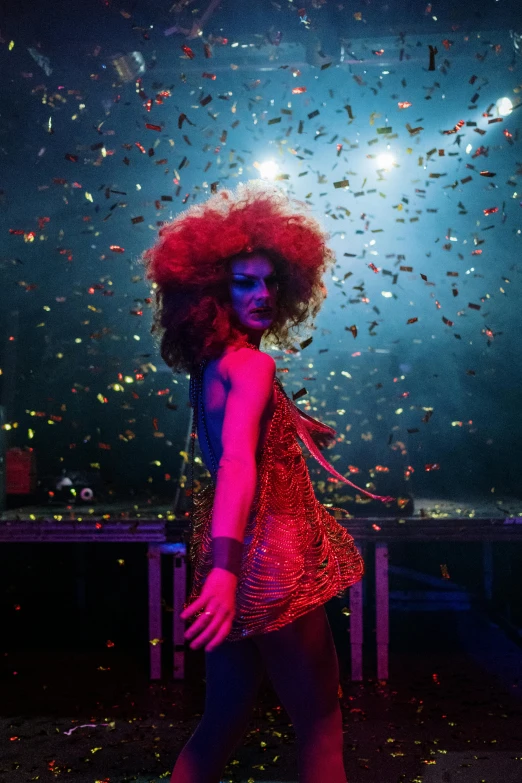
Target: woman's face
[(253, 285)]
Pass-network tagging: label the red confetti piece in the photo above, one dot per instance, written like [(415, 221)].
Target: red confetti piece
[(208, 52), (152, 127), (490, 211), (209, 76), (404, 104), (72, 158), (457, 127), (298, 90), (117, 249), (140, 147), (480, 151), (412, 320), (188, 51)]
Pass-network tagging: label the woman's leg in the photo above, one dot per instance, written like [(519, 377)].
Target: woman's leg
[(234, 673), (302, 663)]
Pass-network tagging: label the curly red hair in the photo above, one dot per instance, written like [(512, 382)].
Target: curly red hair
[(190, 267)]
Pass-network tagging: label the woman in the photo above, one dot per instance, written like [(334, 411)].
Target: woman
[(266, 554)]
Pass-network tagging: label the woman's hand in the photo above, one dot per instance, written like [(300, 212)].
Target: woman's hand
[(321, 434), (322, 439), (218, 597)]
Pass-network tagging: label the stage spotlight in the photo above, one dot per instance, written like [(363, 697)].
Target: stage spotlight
[(504, 107), (268, 169), (385, 161)]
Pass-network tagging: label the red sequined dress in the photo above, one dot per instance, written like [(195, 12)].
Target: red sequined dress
[(296, 555)]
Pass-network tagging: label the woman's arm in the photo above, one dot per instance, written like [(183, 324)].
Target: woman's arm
[(251, 377)]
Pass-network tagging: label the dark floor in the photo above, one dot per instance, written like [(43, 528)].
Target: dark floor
[(450, 713)]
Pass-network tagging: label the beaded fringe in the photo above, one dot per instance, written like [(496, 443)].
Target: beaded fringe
[(296, 555)]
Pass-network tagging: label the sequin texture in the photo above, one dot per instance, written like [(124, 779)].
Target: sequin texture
[(296, 555)]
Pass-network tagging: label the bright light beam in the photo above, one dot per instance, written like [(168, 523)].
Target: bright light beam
[(268, 169), (385, 160), (504, 107)]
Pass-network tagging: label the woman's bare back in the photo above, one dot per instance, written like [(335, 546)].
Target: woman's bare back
[(215, 391)]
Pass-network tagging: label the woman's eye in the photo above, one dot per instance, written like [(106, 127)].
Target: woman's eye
[(245, 283)]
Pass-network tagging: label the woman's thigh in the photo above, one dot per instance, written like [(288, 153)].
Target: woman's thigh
[(234, 673), (301, 660)]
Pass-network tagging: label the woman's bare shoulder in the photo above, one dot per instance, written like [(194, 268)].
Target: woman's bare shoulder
[(245, 360), (247, 357)]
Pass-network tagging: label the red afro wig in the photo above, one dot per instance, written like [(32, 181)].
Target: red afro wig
[(190, 268)]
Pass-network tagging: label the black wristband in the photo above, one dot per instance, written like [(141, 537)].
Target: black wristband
[(227, 553)]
